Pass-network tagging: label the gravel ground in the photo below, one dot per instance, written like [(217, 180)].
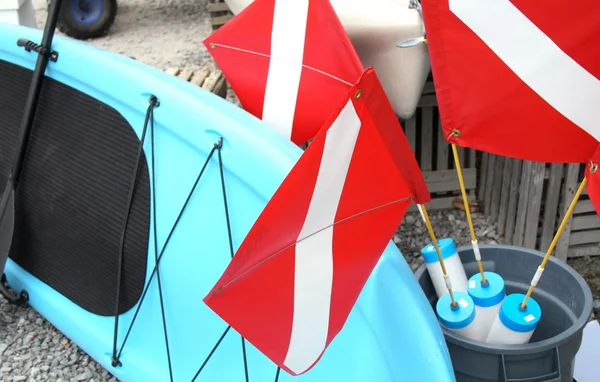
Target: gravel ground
[(160, 33), (165, 33)]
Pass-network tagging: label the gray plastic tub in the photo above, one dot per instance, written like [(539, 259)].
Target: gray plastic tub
[(566, 302)]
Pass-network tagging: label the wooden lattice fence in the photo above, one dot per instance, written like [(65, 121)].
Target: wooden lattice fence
[(528, 200)]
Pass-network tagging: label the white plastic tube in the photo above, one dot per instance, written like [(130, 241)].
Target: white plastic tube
[(513, 325), (460, 319), (488, 299), (454, 267)]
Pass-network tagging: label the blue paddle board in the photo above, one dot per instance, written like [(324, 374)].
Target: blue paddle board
[(392, 333)]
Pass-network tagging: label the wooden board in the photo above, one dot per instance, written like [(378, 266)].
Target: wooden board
[(410, 131), (209, 77), (483, 172), (584, 237), (513, 198), (504, 195), (427, 133), (549, 224), (442, 182), (570, 187), (583, 206), (585, 222), (442, 150), (447, 180), (219, 13), (534, 204), (497, 189), (525, 182), (584, 250)]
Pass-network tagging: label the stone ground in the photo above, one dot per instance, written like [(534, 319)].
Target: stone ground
[(165, 33)]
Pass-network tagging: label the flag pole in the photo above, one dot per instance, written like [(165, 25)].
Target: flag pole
[(540, 270), (463, 190), (425, 217)]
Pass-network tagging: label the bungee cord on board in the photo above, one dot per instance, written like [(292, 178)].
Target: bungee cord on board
[(117, 351)]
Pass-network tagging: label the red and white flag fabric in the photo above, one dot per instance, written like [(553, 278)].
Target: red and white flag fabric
[(519, 78), (290, 62), (296, 276)]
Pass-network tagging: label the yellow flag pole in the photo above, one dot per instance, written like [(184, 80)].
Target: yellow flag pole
[(542, 266), (463, 190), (425, 216)]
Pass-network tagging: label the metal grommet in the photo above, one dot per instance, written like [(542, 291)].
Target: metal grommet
[(212, 45), (153, 101), (455, 132), (593, 167), (358, 94)]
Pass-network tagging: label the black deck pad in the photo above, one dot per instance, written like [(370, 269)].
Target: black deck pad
[(72, 196)]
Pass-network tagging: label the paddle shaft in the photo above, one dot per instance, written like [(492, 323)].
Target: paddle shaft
[(7, 201), (34, 92)]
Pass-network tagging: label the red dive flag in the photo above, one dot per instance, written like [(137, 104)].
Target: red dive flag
[(519, 78), (296, 276), (290, 62)]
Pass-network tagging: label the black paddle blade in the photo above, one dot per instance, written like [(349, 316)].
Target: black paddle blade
[(7, 223)]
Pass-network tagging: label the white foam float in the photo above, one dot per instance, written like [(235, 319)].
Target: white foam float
[(488, 299), (454, 267), (457, 319), (513, 325)]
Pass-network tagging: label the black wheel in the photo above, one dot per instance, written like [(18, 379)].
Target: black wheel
[(83, 19), (10, 295)]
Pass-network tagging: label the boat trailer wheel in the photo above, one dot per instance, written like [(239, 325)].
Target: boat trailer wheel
[(83, 19)]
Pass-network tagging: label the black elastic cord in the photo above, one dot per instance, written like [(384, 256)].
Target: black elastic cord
[(231, 244), (147, 286), (160, 295), (219, 146), (211, 353), (153, 102), (277, 374), (245, 359)]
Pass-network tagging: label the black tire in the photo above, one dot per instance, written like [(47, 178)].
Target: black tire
[(69, 24)]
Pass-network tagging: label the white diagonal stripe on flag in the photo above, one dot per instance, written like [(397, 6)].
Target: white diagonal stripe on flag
[(285, 66), (313, 272), (535, 58)]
